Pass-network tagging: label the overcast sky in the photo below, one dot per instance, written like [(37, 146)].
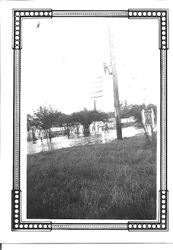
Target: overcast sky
[(62, 62)]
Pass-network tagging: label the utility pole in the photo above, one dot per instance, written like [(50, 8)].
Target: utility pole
[(115, 87)]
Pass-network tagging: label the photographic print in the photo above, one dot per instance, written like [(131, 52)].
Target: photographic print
[(90, 119)]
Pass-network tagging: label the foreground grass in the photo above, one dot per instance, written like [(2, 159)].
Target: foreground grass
[(116, 180)]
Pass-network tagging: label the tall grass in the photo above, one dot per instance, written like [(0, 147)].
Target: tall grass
[(116, 180)]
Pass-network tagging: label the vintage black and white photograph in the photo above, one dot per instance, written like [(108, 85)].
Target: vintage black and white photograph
[(90, 113), (84, 104)]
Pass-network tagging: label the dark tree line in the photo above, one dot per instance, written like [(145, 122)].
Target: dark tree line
[(135, 111), (47, 117)]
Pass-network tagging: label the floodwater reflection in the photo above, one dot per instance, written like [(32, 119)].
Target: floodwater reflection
[(64, 142)]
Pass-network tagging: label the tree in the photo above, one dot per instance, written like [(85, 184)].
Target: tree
[(31, 126), (86, 117), (29, 122), (136, 111), (67, 122), (46, 117)]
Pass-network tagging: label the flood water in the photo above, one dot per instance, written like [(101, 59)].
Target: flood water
[(64, 142)]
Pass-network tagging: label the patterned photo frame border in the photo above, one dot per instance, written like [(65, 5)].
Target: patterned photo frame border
[(17, 222)]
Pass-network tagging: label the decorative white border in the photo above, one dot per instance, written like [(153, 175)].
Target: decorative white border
[(162, 16)]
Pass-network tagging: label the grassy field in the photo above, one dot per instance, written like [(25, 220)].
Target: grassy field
[(115, 180)]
